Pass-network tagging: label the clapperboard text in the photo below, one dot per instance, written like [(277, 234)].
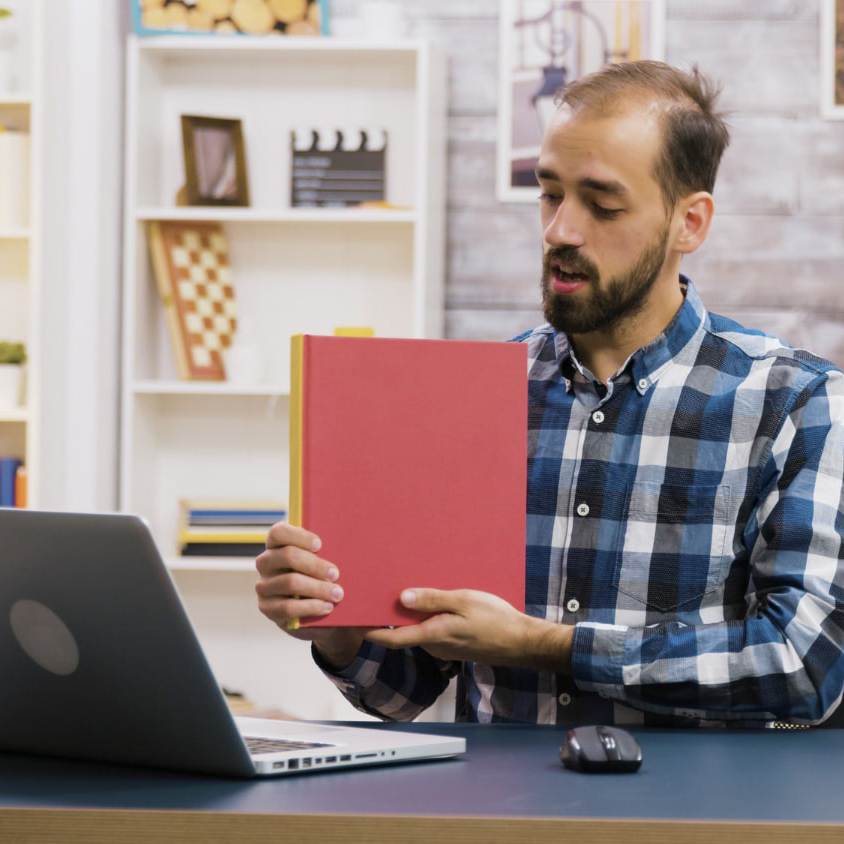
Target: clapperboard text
[(337, 167)]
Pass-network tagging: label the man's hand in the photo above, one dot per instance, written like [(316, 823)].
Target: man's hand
[(477, 626), (296, 583)]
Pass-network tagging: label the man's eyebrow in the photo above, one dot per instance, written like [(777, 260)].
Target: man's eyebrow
[(546, 173), (610, 187)]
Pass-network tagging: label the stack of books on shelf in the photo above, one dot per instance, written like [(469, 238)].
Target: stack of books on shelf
[(228, 528), (12, 482)]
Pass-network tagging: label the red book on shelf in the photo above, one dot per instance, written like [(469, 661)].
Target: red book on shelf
[(408, 459)]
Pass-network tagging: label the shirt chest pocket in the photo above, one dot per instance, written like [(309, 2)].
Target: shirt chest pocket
[(672, 549)]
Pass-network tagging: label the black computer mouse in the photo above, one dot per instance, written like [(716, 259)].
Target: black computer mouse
[(599, 749)]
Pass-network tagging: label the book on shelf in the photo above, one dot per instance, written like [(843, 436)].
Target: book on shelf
[(232, 527), (190, 262), (222, 549), (408, 459), (12, 482), (216, 511)]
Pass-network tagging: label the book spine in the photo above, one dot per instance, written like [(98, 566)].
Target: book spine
[(8, 471), (297, 375), (222, 549), (297, 384), (187, 536), (21, 491)]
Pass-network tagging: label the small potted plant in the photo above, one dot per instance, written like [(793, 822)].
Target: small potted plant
[(12, 360)]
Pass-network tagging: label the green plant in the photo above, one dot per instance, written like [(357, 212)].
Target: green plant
[(12, 353)]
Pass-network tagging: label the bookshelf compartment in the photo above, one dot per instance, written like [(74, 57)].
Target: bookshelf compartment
[(295, 270)]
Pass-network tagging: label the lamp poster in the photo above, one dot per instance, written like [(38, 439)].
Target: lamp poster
[(544, 44)]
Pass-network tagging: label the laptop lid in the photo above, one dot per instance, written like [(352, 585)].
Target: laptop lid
[(100, 662)]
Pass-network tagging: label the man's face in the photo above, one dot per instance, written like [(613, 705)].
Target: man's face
[(606, 230)]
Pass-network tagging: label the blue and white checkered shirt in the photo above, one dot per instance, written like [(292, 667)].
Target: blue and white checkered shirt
[(688, 520)]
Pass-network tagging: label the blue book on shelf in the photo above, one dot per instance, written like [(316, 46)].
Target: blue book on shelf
[(8, 468)]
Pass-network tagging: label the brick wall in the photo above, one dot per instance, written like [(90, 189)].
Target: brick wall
[(774, 258)]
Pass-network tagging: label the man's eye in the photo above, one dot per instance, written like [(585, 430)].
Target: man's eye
[(549, 197), (605, 213)]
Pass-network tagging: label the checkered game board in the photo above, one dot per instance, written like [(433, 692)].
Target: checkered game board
[(194, 279)]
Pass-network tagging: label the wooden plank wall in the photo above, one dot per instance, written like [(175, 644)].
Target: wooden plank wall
[(775, 256)]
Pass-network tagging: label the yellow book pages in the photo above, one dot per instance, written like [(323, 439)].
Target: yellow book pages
[(354, 331), (258, 537), (296, 366), (294, 515)]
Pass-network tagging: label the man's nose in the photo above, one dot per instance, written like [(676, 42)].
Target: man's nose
[(564, 227)]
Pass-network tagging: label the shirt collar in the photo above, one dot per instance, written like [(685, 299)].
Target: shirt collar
[(648, 363)]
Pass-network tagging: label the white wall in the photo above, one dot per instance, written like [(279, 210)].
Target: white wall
[(774, 258), (83, 117)]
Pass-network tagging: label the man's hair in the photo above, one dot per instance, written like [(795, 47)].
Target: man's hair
[(694, 135)]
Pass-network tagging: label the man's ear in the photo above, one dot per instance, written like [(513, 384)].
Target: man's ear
[(694, 214)]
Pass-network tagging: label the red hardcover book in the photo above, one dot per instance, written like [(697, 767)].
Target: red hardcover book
[(408, 459)]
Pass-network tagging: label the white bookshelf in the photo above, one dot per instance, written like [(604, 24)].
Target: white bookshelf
[(20, 230), (294, 269)]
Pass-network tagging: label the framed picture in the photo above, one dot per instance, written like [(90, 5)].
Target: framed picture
[(832, 59), (229, 17), (544, 44), (215, 161)]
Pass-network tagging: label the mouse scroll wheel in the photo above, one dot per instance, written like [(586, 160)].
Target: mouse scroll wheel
[(610, 744)]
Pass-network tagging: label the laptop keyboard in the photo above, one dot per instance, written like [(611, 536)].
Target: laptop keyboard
[(265, 745)]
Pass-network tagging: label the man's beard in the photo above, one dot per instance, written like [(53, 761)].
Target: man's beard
[(604, 307)]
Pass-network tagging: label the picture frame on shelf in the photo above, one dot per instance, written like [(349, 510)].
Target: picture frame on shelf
[(543, 45), (229, 17), (215, 161), (832, 59)]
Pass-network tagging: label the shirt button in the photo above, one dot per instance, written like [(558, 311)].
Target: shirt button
[(565, 699), (573, 605), (643, 383), (598, 417), (583, 509)]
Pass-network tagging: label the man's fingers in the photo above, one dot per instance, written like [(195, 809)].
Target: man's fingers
[(293, 584), (432, 600), (276, 561), (283, 533)]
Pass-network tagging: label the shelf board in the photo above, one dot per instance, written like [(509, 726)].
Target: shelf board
[(208, 388), (252, 44), (14, 233), (227, 214), (241, 564), (16, 99), (14, 414)]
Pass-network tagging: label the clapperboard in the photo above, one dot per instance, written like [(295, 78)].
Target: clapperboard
[(337, 167)]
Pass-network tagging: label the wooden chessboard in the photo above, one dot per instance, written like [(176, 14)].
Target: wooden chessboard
[(191, 267)]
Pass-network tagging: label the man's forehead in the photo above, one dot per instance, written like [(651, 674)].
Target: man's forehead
[(602, 146)]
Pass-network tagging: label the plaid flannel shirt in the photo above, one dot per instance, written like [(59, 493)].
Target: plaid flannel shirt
[(687, 519)]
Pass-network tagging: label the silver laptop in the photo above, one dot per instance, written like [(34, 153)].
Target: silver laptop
[(98, 661)]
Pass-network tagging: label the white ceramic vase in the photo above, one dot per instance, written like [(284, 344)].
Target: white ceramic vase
[(11, 385)]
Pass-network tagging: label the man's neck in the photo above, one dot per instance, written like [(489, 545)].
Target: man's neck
[(603, 353)]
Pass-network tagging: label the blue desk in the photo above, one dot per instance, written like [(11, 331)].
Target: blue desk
[(766, 786)]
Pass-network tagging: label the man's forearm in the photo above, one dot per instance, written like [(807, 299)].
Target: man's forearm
[(339, 649)]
